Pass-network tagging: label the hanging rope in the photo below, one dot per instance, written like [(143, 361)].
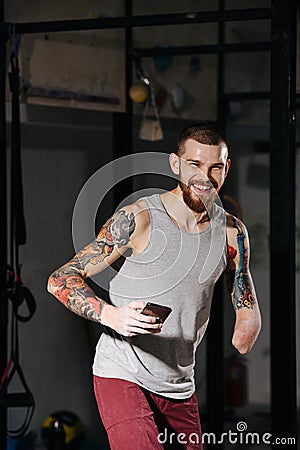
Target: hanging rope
[(17, 293)]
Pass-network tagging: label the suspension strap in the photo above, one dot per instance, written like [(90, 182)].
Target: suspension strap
[(16, 292)]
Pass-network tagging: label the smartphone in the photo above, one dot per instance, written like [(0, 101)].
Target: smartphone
[(159, 311)]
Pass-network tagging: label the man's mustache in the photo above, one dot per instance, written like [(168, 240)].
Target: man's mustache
[(205, 184)]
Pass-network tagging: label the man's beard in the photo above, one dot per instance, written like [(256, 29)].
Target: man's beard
[(193, 201)]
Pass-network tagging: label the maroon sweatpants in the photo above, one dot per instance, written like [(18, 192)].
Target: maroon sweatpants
[(136, 419)]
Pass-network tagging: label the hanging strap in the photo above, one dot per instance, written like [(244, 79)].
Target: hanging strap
[(18, 219), (16, 292), (16, 399), (19, 295)]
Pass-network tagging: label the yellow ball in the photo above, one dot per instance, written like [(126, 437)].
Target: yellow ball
[(138, 92)]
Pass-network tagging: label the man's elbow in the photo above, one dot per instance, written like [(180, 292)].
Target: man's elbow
[(51, 284)]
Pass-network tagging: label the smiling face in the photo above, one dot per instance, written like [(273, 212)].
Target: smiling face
[(202, 170)]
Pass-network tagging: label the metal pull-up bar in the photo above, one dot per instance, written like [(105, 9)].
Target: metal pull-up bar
[(140, 21)]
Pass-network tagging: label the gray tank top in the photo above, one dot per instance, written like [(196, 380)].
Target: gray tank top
[(179, 270)]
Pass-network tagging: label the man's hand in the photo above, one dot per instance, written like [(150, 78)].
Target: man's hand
[(128, 321)]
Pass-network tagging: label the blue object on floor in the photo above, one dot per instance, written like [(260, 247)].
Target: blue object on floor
[(11, 443), (21, 443)]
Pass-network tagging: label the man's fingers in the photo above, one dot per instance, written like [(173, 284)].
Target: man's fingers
[(135, 327), (143, 324), (139, 304), (137, 307), (148, 319), (142, 317), (135, 331), (135, 323)]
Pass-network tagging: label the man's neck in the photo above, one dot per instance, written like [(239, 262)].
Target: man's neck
[(179, 211)]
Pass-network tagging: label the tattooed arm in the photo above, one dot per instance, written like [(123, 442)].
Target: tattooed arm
[(68, 284), (241, 288)]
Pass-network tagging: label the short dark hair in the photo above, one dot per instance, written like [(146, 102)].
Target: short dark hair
[(203, 132)]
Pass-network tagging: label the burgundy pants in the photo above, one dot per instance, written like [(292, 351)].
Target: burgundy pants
[(136, 419)]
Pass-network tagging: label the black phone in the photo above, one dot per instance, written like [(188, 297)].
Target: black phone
[(159, 311)]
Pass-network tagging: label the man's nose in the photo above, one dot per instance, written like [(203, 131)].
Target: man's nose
[(205, 171)]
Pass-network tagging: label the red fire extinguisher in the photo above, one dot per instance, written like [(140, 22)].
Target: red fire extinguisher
[(236, 380)]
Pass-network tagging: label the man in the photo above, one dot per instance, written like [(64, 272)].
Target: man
[(177, 245)]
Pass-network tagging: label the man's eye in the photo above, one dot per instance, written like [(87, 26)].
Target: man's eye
[(194, 164)]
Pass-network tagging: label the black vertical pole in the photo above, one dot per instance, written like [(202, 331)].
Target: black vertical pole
[(221, 106), (282, 191), (215, 333), (122, 122), (3, 227)]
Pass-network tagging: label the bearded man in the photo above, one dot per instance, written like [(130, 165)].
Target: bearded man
[(177, 244)]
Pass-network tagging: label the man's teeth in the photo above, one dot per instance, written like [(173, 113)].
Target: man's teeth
[(201, 187)]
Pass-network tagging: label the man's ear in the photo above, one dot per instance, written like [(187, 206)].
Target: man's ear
[(174, 163), (228, 164)]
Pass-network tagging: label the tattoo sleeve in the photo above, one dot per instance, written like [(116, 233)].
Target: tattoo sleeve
[(243, 292), (68, 284)]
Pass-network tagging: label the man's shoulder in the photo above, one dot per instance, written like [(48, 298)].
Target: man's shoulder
[(233, 222), (230, 220), (136, 207), (235, 228), (140, 210)]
